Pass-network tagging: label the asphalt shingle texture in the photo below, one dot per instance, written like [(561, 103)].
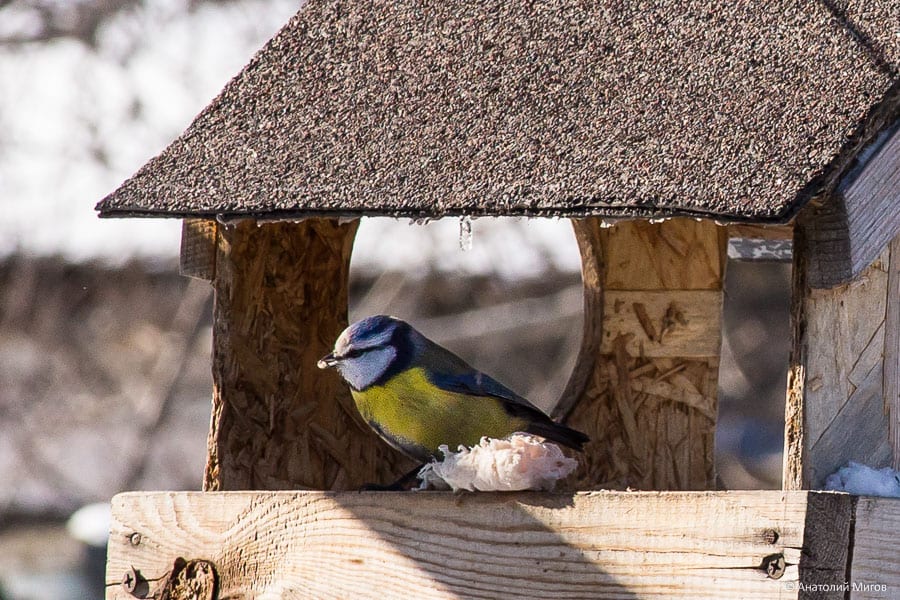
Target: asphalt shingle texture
[(730, 110)]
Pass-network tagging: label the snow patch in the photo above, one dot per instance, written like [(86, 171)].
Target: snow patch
[(862, 480)]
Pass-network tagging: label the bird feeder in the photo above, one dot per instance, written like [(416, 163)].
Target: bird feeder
[(661, 132)]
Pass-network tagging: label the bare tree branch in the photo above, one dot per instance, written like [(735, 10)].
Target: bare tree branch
[(74, 20)]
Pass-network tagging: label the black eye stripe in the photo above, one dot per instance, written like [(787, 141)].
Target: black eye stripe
[(357, 352)]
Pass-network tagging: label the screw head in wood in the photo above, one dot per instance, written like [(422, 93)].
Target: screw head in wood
[(135, 584), (130, 580), (774, 566), (135, 539)]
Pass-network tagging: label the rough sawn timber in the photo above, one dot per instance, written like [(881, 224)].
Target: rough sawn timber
[(875, 568), (891, 374), (278, 422), (267, 545), (644, 385), (839, 406)]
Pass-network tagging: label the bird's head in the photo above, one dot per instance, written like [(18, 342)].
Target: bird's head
[(365, 351)]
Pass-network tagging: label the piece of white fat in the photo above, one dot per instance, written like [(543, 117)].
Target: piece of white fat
[(520, 462)]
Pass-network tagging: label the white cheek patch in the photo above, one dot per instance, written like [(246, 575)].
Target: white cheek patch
[(365, 370)]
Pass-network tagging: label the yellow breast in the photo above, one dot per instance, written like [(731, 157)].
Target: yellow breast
[(410, 411)]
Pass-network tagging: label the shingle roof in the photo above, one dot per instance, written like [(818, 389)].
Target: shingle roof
[(731, 110)]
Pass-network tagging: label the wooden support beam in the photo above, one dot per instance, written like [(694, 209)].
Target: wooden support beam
[(754, 231), (840, 406), (198, 248), (279, 422), (644, 386), (724, 545), (848, 229)]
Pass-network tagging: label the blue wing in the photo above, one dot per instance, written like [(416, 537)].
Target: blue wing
[(449, 372)]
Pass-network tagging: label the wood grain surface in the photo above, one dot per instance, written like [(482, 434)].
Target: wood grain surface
[(520, 545)]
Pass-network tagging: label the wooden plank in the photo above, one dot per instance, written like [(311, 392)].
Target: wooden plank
[(850, 228), (834, 409), (644, 386), (841, 323), (755, 231), (857, 432), (587, 234), (279, 422), (891, 370), (441, 545), (198, 249), (875, 568), (871, 198)]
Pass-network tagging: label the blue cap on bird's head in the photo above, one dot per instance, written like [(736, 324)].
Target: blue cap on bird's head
[(366, 333), (369, 332)]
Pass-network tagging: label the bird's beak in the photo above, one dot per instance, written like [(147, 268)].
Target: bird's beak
[(327, 361)]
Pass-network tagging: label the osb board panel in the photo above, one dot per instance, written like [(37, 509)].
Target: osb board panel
[(836, 408), (668, 323), (441, 545), (875, 572), (278, 421), (678, 254), (646, 392)]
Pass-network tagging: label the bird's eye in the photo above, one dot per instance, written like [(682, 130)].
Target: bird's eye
[(353, 353)]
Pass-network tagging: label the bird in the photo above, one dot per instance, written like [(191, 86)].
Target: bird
[(417, 395)]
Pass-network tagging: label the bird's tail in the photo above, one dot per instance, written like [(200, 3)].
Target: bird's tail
[(559, 433)]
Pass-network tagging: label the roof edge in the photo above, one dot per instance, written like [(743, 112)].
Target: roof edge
[(863, 142), (623, 213)]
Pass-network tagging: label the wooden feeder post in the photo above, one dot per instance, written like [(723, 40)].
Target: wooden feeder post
[(843, 400), (644, 387), (280, 302)]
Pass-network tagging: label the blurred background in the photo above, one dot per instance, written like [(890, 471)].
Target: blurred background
[(104, 349)]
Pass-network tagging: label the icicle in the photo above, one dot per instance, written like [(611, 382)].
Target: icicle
[(465, 233)]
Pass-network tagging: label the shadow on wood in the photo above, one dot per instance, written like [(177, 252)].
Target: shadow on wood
[(441, 545)]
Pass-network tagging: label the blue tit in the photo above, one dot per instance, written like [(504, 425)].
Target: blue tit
[(418, 395)]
